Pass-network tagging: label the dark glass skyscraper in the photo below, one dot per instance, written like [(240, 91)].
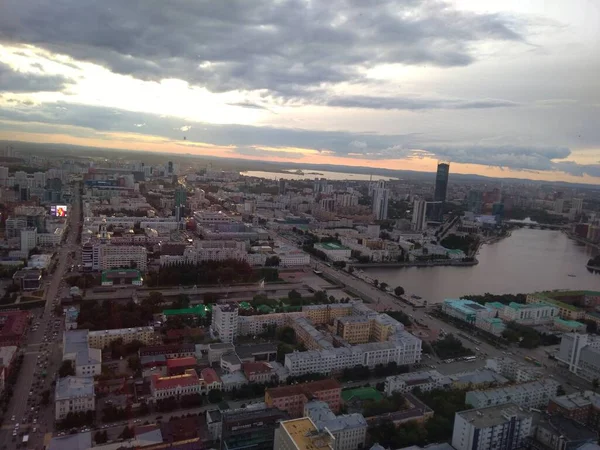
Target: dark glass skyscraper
[(441, 186)]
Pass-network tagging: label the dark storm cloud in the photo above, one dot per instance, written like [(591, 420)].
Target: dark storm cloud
[(414, 104), (283, 47), (252, 141), (14, 81)]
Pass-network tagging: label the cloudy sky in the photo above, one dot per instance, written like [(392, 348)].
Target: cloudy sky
[(500, 88)]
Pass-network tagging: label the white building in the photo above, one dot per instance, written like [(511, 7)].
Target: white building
[(519, 372), (334, 252), (503, 427), (254, 325), (530, 313), (74, 394), (28, 238), (224, 324), (87, 361), (102, 338), (425, 381), (581, 354), (535, 394), (419, 217), (405, 349), (348, 430)]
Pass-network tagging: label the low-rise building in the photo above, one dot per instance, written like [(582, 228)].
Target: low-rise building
[(211, 379), (349, 430), (87, 361), (515, 371), (581, 354), (175, 386), (103, 338), (250, 427), (535, 394), (500, 427), (335, 252), (584, 407), (74, 395), (530, 313), (569, 326), (259, 372), (465, 310), (477, 379), (13, 326), (293, 398), (178, 366), (302, 434), (425, 381), (561, 433)]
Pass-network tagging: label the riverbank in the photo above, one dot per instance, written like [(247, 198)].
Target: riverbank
[(442, 262), (582, 240)]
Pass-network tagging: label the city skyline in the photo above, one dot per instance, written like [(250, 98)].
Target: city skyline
[(502, 90)]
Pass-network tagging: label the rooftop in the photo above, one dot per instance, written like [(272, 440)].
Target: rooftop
[(577, 400), (181, 362), (568, 429), (363, 393), (72, 387), (247, 351), (76, 441), (332, 246), (493, 415), (199, 310), (253, 368), (481, 376), (189, 378), (209, 375), (305, 435), (120, 331), (133, 274)]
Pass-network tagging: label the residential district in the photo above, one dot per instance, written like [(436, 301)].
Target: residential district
[(173, 305)]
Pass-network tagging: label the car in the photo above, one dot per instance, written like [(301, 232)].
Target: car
[(12, 418)]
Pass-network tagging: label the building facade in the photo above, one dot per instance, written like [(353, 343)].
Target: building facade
[(535, 394), (74, 395), (292, 399)]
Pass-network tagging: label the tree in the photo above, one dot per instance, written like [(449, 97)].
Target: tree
[(383, 286), (135, 364), (100, 437), (272, 261), (595, 384), (376, 282), (215, 396), (46, 397), (286, 335), (127, 433), (294, 295), (399, 290), (66, 369)]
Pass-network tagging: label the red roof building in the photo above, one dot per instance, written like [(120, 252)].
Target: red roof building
[(13, 325), (211, 379), (258, 372), (178, 366), (293, 398), (176, 386)]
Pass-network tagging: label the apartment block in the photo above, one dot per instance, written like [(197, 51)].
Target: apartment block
[(224, 324), (322, 314), (292, 399), (500, 427), (535, 394), (254, 325), (103, 338), (353, 329)]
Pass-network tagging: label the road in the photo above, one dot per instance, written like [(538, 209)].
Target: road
[(41, 352)]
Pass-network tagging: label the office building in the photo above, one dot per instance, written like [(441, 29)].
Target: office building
[(224, 324), (103, 338), (425, 381), (348, 430), (381, 197), (501, 427), (28, 238), (441, 188), (302, 434), (475, 201), (535, 394), (292, 399), (74, 394), (250, 428), (577, 205), (282, 186), (180, 196), (581, 354), (419, 216)]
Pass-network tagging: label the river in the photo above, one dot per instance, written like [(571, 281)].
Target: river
[(289, 174), (527, 261)]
